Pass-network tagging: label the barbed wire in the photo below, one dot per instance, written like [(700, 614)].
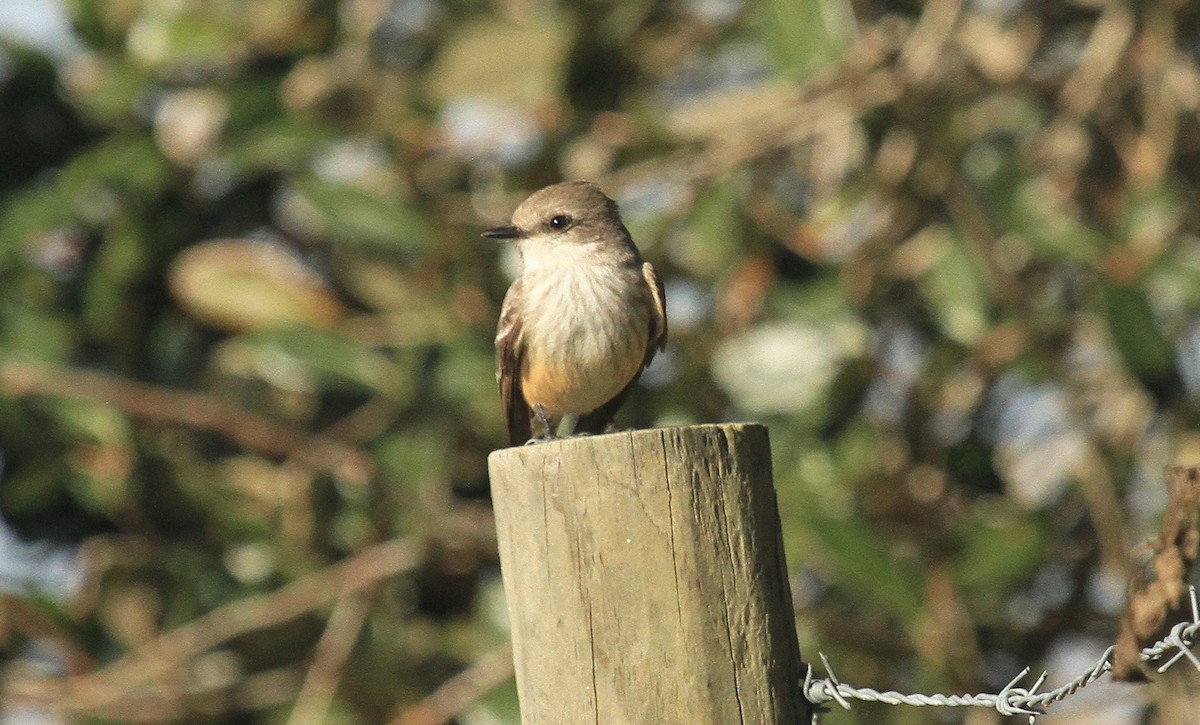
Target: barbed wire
[(1011, 700)]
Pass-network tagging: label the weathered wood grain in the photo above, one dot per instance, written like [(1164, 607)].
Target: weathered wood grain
[(646, 581)]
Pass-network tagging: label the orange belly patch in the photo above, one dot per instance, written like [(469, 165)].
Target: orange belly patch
[(566, 389)]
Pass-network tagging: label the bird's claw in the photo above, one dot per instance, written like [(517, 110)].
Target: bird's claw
[(540, 412)]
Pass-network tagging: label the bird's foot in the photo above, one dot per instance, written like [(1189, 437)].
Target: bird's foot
[(548, 434), (540, 413)]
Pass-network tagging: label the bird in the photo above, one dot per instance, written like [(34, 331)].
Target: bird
[(583, 319)]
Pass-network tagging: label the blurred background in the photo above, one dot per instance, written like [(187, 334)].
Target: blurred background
[(948, 251)]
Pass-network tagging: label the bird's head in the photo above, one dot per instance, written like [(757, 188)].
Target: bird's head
[(572, 218)]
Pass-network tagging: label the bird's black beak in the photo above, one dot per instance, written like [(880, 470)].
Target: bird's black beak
[(509, 232)]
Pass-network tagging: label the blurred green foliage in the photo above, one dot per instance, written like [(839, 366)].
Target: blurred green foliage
[(947, 251)]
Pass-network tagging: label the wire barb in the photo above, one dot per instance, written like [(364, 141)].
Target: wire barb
[(1180, 638), (1011, 700), (833, 690)]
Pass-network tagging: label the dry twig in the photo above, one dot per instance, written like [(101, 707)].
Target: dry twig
[(1175, 552), (459, 692), (193, 410), (169, 652), (329, 657)]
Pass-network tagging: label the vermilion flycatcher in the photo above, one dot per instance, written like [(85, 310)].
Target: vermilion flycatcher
[(582, 321)]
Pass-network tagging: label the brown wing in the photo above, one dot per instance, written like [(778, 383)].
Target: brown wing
[(601, 418), (658, 325), (509, 350)]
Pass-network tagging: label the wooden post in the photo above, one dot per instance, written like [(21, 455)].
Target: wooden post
[(646, 581)]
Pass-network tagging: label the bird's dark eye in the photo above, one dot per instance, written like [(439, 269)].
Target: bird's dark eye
[(560, 222)]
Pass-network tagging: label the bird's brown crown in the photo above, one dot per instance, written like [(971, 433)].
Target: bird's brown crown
[(570, 205)]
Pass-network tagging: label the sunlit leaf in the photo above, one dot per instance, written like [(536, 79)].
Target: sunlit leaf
[(182, 41), (530, 74), (238, 285), (802, 35), (952, 284), (777, 368), (104, 89)]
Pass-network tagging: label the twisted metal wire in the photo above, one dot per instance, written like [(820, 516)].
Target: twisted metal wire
[(1011, 700)]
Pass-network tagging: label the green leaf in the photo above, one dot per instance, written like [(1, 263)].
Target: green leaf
[(107, 289), (803, 35), (56, 610), (717, 220), (331, 360), (860, 563), (416, 458), (413, 464), (501, 703), (83, 420), (281, 145), (167, 41), (1001, 547), (48, 335), (467, 376), (1136, 333), (131, 165), (34, 488), (109, 94), (954, 289), (32, 212), (350, 215), (822, 526), (1019, 202)]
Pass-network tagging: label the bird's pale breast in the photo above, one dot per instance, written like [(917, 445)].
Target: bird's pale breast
[(586, 332)]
